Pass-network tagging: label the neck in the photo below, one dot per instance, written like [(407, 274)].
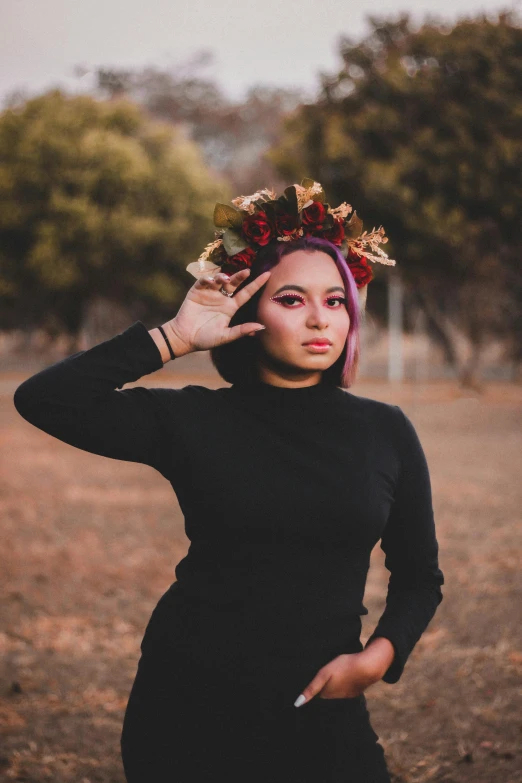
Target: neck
[(269, 375), (285, 383)]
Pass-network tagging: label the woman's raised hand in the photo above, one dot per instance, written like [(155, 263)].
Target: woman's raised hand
[(202, 321)]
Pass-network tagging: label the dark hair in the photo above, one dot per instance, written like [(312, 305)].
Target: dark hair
[(236, 361)]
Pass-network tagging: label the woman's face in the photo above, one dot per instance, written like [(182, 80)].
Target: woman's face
[(304, 300)]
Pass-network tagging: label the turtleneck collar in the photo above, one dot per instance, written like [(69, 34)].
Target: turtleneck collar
[(269, 391)]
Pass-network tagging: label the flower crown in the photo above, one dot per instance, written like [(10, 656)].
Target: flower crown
[(256, 220)]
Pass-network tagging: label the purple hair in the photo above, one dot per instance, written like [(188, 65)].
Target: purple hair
[(229, 357)]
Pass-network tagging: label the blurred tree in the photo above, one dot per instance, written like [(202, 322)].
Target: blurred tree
[(97, 200), (423, 128), (233, 136)]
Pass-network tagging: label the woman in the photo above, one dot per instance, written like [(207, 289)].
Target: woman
[(252, 667)]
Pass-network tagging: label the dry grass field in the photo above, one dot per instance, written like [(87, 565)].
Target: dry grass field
[(89, 544)]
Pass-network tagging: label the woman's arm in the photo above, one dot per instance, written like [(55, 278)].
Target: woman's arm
[(411, 549), (78, 399)]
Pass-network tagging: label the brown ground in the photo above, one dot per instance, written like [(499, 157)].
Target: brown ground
[(91, 543)]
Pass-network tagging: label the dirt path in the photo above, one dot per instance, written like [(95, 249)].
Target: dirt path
[(91, 543)]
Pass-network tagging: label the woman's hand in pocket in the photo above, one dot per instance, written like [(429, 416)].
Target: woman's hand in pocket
[(345, 677)]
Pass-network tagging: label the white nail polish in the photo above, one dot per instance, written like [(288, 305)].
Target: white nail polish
[(300, 700)]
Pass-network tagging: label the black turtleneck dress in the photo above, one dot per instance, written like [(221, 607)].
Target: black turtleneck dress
[(285, 492)]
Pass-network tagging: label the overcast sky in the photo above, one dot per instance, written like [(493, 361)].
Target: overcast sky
[(278, 42)]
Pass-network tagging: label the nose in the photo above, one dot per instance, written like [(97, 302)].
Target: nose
[(318, 318)]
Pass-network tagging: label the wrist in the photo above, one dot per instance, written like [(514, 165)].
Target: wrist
[(160, 344), (178, 346), (378, 656)]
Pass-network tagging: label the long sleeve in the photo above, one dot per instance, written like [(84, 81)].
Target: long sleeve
[(411, 555), (78, 399)]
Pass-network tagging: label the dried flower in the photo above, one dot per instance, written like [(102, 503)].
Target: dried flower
[(263, 217), (247, 203)]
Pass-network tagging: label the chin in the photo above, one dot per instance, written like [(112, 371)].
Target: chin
[(314, 366)]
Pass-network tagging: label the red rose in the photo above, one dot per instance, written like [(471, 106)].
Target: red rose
[(240, 261), (360, 269), (313, 216), (335, 235), (286, 224), (257, 228)]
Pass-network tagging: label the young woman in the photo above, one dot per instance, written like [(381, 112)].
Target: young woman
[(252, 669)]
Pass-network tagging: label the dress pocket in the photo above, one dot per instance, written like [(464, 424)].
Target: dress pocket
[(346, 703), (345, 718)]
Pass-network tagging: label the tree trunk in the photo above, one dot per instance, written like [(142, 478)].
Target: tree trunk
[(102, 319), (469, 373), (438, 328)]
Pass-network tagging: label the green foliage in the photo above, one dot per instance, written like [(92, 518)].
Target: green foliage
[(227, 217), (233, 242), (96, 200), (421, 131)]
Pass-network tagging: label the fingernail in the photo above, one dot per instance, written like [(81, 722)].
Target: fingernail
[(300, 700), (258, 328)]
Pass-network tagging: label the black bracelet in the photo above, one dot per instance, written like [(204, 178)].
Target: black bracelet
[(172, 354)]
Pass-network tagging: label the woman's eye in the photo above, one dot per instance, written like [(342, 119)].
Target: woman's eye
[(289, 297)]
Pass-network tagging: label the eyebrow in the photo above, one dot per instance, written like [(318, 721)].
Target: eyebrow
[(300, 288)]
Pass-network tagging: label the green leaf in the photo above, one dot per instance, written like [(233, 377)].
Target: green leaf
[(328, 222), (307, 182), (353, 227), (218, 255), (291, 197), (270, 207), (233, 242), (227, 217)]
